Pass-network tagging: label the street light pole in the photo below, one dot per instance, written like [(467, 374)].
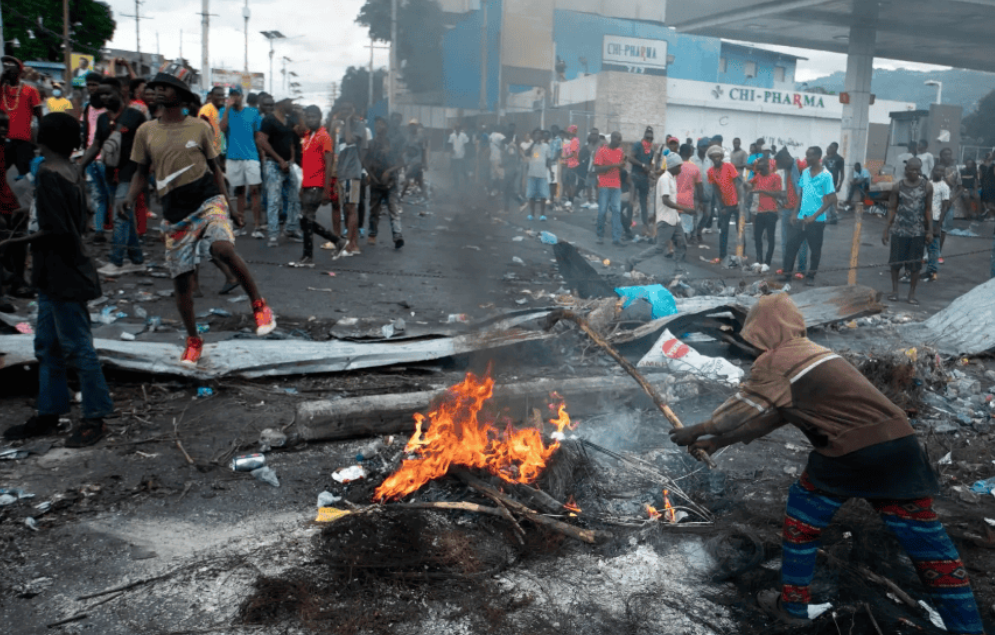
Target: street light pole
[(205, 24), (245, 14), (391, 79)]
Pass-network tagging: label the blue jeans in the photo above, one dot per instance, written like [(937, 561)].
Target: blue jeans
[(786, 215), (610, 197), (125, 237), (63, 338), (727, 213), (933, 252), (278, 185), (100, 192)]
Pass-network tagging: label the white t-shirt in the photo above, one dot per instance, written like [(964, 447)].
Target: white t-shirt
[(928, 163), (459, 142), (941, 192), (496, 138), (666, 185)]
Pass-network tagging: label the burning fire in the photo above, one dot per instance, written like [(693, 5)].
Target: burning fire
[(455, 434), (668, 510), (571, 506)]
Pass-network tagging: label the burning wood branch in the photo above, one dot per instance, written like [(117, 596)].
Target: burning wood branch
[(675, 422)]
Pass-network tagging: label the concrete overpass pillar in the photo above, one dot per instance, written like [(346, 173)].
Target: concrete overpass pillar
[(859, 69)]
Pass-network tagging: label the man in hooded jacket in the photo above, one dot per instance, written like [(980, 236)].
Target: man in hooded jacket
[(864, 447)]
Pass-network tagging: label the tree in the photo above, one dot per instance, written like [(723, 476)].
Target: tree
[(37, 26), (981, 123), (420, 28), (355, 88)]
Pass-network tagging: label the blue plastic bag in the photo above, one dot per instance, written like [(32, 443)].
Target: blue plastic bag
[(662, 300)]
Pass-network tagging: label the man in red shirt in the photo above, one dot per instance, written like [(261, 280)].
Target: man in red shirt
[(608, 162), (728, 183), (318, 162), (20, 102)]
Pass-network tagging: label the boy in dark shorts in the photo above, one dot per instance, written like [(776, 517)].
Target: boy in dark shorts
[(909, 226), (66, 280)]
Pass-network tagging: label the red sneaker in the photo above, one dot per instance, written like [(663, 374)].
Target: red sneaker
[(799, 275), (195, 346), (265, 322)]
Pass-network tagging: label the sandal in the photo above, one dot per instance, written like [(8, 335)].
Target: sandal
[(913, 301), (88, 432), (893, 297), (770, 603)]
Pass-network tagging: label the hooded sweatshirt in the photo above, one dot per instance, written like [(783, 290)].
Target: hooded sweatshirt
[(799, 382)]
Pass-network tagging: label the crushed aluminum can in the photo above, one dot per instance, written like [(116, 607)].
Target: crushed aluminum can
[(248, 462)]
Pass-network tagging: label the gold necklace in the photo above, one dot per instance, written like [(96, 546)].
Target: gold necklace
[(17, 101)]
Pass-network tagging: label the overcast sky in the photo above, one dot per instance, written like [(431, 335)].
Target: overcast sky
[(324, 39)]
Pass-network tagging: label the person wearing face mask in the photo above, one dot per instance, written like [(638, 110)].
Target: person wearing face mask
[(126, 121), (57, 103)]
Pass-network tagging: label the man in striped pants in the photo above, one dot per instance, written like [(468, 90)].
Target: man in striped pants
[(864, 447)]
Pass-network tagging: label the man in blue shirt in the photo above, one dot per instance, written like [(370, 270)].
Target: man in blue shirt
[(240, 124), (818, 194)]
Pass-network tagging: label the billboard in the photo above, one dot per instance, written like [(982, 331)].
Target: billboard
[(634, 55), (228, 78), (81, 65)]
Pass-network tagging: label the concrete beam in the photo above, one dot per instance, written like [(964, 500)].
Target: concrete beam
[(757, 11)]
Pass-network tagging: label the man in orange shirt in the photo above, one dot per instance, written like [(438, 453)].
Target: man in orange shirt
[(729, 184), (211, 113)]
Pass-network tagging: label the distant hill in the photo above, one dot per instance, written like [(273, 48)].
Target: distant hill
[(959, 86)]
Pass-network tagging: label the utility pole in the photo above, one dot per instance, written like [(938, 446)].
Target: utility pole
[(67, 49), (482, 105), (369, 94), (271, 36), (392, 76), (138, 36), (245, 14), (205, 25)]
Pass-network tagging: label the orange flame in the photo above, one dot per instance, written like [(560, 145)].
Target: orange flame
[(668, 509), (454, 433), (651, 512), (571, 505)]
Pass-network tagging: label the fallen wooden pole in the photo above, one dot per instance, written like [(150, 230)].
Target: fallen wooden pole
[(332, 420), (457, 506), (675, 422), (590, 536)]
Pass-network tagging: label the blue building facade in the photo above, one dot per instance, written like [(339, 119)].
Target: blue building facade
[(579, 36)]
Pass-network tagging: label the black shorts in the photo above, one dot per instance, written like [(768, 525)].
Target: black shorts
[(19, 154), (907, 251)]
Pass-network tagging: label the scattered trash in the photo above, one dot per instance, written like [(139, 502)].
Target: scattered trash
[(521, 301), (349, 321), (473, 247), (349, 474), (243, 297), (947, 459), (327, 499), (205, 391), (141, 313), (986, 486), (387, 330), (670, 352), (518, 261), (934, 617), (662, 301), (7, 499), (815, 610), (127, 337), (220, 312), (291, 391), (154, 323), (107, 315), (28, 590), (203, 328), (31, 523), (248, 462), (330, 514), (266, 475), (518, 239), (455, 318), (548, 238), (271, 438), (963, 232), (24, 328), (370, 450)]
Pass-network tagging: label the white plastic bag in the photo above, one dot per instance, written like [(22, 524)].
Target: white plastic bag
[(673, 354), (298, 176)]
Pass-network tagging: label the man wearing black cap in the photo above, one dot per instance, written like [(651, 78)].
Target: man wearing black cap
[(195, 204), (21, 102), (641, 159)]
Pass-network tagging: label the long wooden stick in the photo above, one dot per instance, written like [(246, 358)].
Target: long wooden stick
[(460, 506), (590, 536), (675, 422)]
